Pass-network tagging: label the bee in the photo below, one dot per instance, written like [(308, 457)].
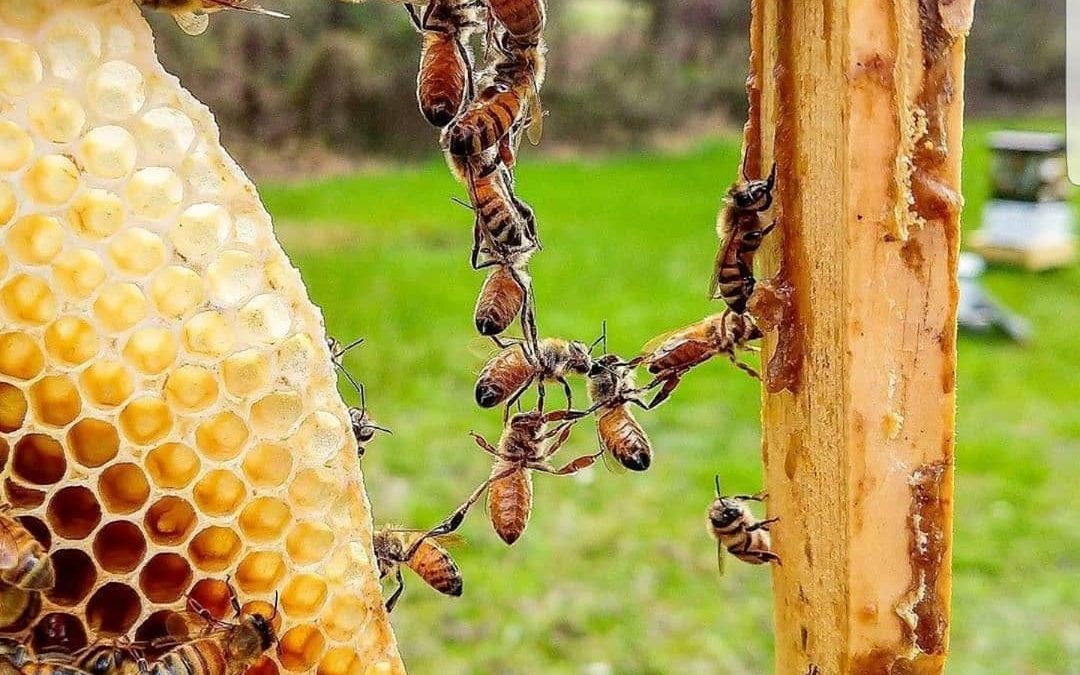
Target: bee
[(508, 374), (363, 427), (17, 659), (740, 231), (193, 16), (445, 79), (733, 526), (24, 562), (18, 607), (104, 659), (524, 19), (502, 297), (611, 391), (671, 356), (504, 226), (220, 647), (511, 99), (423, 554)]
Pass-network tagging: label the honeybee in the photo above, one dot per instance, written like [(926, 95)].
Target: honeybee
[(193, 16), (510, 99), (18, 607), (524, 19), (508, 374), (502, 298), (505, 226), (24, 562), (671, 356), (420, 552), (611, 391), (445, 79), (526, 445), (363, 427), (220, 648), (734, 527), (740, 232), (106, 659), (17, 659)]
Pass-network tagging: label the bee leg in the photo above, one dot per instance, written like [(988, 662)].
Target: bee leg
[(762, 524), (746, 368), (756, 497), (528, 310), (566, 415), (540, 395), (583, 462), (568, 391), (396, 595), (413, 17), (765, 556), (483, 443), (669, 386), (455, 519), (470, 79)]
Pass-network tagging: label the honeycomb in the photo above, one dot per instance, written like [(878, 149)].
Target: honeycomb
[(169, 415)]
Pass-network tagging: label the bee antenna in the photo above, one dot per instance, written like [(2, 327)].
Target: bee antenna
[(717, 478), (462, 203), (600, 340), (233, 600), (273, 615), (349, 347)]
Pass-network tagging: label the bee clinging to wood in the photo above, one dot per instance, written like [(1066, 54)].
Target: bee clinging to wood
[(445, 79), (526, 445), (24, 562), (193, 16), (524, 19), (611, 391), (219, 647), (734, 527), (508, 374), (423, 554), (741, 231)]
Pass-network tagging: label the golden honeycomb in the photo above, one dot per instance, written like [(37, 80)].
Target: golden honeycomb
[(169, 415)]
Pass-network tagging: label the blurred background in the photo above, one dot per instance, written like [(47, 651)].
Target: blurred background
[(616, 574)]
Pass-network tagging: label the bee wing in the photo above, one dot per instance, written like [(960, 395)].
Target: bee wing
[(610, 463), (444, 540), (654, 344), (182, 626), (192, 23), (243, 6), (536, 117), (9, 548)]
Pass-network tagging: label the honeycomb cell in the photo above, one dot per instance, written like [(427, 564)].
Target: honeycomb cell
[(219, 493), (146, 420), (213, 595), (51, 180), (267, 465), (76, 575), (116, 90), (263, 609), (154, 628), (264, 519), (119, 547), (37, 529), (203, 229), (35, 239), (315, 488), (165, 578), (106, 383), (71, 340), (28, 300), (300, 647), (123, 488), (73, 513), (21, 496), (26, 14), (177, 291), (58, 632), (119, 307), (38, 460), (172, 466), (12, 408), (78, 272), (234, 276), (214, 549), (341, 661), (113, 609), (16, 146), (260, 572), (208, 334), (57, 116), (265, 318), (20, 356), (304, 596), (92, 442), (169, 521), (8, 207), (108, 152), (345, 617), (264, 665), (309, 542), (56, 401), (274, 415), (246, 372), (20, 65), (71, 49), (5, 451), (151, 350), (221, 437), (154, 192), (191, 388), (165, 135), (321, 435), (96, 214), (201, 169), (137, 251)]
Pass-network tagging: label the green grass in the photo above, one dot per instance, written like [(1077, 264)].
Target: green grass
[(617, 569)]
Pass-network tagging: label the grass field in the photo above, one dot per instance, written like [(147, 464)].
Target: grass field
[(616, 573)]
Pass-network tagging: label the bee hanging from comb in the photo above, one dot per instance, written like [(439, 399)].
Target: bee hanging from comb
[(193, 16), (422, 552), (735, 529), (741, 232)]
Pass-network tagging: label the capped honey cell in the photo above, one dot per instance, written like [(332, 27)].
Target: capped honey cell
[(191, 388), (51, 180), (208, 334), (123, 488), (56, 400), (71, 340), (92, 442), (303, 596), (344, 617), (264, 519), (177, 292), (119, 307), (151, 350), (16, 146), (20, 356), (35, 239), (28, 300), (172, 465), (108, 152), (154, 192), (214, 549), (72, 48), (146, 420), (222, 437), (96, 214), (165, 135), (57, 116), (267, 465), (107, 383), (116, 90), (20, 65), (137, 252), (78, 273), (309, 542), (219, 493), (234, 276), (341, 661), (246, 372), (260, 572), (274, 415), (8, 208)]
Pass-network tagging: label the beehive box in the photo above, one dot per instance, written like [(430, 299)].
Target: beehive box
[(168, 408)]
